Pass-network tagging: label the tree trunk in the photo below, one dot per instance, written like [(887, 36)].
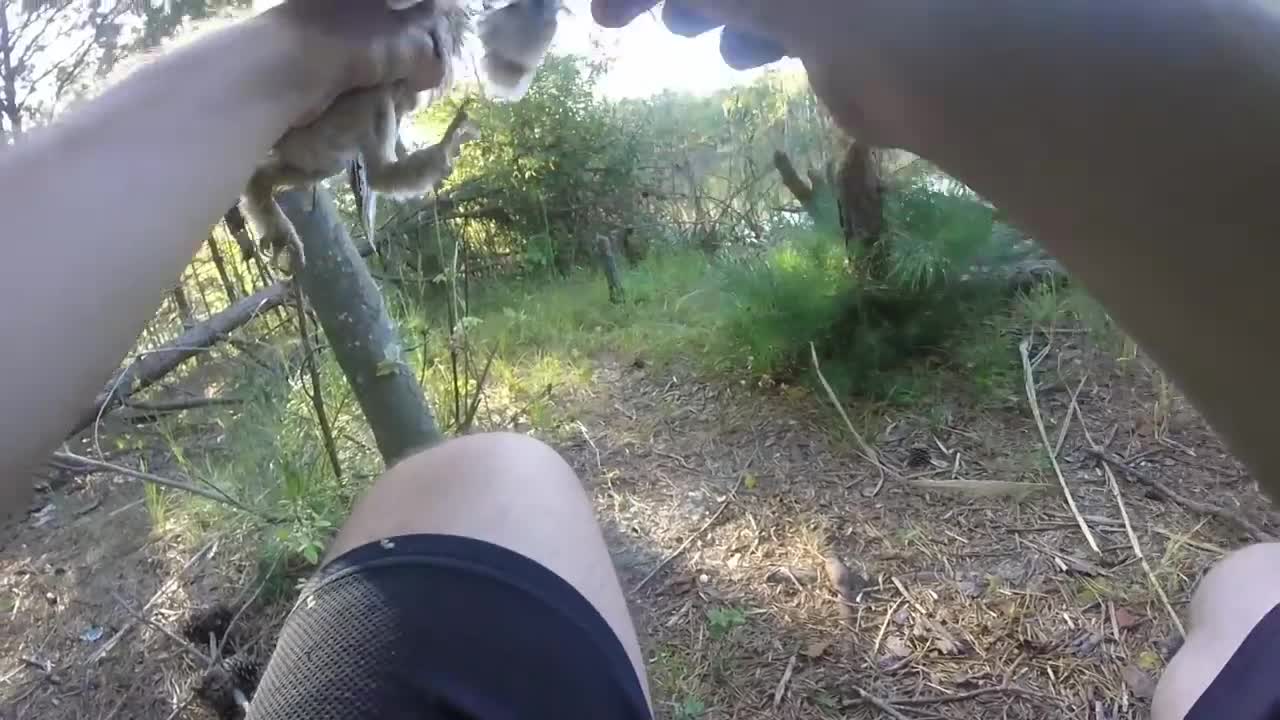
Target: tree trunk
[(802, 190), (8, 75), (862, 201), (815, 196), (617, 295), (220, 264), (179, 295), (353, 314)]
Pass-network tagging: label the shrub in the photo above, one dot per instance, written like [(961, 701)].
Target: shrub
[(867, 323)]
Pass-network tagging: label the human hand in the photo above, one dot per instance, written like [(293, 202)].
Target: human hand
[(857, 54), (347, 44)]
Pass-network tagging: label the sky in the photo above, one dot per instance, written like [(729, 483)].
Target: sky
[(647, 59)]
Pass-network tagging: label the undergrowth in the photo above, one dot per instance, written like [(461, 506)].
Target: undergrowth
[(527, 347)]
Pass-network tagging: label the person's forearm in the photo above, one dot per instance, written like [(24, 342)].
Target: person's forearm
[(1135, 140), (105, 208)]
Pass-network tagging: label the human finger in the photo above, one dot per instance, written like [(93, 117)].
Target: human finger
[(745, 50), (616, 13), (682, 20)]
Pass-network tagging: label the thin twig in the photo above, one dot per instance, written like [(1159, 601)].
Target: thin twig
[(867, 451), (884, 626), (244, 606), (592, 443), (782, 684), (959, 697), (317, 395), (1029, 383), (114, 639), (689, 541), (1128, 528), (139, 617), (1174, 496), (215, 495), (683, 463), (1137, 550), (167, 406), (474, 407), (884, 705), (1066, 423), (181, 706)]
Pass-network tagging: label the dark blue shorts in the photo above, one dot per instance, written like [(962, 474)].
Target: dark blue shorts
[(435, 626), (1246, 688)]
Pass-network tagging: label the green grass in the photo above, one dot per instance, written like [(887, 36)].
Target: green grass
[(905, 340)]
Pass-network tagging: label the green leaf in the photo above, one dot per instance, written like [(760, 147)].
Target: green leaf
[(311, 553)]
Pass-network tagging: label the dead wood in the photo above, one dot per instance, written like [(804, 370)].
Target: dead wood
[(1172, 495), (152, 366)]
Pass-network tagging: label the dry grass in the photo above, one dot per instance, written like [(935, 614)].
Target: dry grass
[(954, 605), (960, 607)]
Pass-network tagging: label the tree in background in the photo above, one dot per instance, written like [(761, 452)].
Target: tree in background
[(54, 52), (47, 54), (556, 168)]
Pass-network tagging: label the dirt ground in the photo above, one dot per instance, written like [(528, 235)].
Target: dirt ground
[(772, 571)]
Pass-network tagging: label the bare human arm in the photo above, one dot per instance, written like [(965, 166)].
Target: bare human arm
[(1133, 138), (100, 212)]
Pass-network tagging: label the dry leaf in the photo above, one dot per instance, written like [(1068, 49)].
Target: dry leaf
[(1126, 619), (1080, 566), (942, 640), (681, 584), (896, 646), (817, 648), (902, 617), (1140, 682)]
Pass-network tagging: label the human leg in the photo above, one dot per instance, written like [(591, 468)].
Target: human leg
[(473, 607), (1229, 636)]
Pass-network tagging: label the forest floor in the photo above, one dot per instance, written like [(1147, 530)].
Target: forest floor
[(726, 503)]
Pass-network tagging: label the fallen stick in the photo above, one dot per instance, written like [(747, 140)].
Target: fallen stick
[(782, 685), (1128, 527), (114, 639), (867, 451), (1174, 496), (153, 365), (1066, 423), (168, 406), (1030, 385), (959, 697), (1137, 550), (685, 545), (215, 495), (139, 617), (884, 705)]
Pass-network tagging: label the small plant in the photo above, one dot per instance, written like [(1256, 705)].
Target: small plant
[(722, 621), (936, 275), (306, 538), (690, 709), (154, 497)]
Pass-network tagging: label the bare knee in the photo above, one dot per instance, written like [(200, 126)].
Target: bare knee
[(498, 487), (1231, 599), (1244, 584), (505, 489)]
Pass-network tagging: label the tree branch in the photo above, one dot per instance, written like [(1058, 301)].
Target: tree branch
[(154, 365)]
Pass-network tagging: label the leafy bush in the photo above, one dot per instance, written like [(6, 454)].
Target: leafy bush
[(556, 168), (865, 322)]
